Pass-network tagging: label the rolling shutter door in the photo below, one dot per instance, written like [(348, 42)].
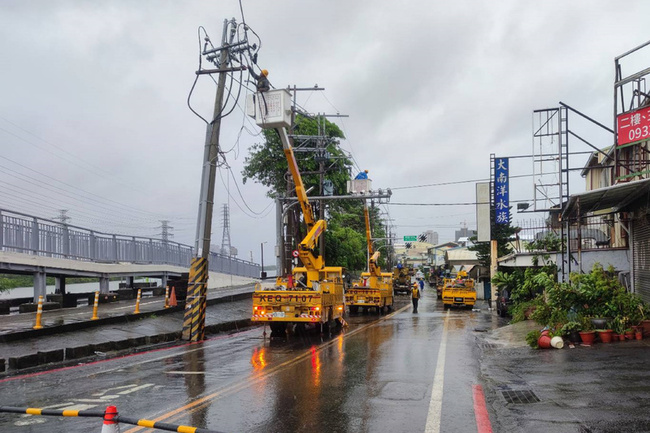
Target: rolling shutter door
[(641, 245)]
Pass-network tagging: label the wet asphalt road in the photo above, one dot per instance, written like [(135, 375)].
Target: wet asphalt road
[(378, 375), (397, 373)]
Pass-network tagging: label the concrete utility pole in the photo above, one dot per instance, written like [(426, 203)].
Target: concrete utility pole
[(195, 304)]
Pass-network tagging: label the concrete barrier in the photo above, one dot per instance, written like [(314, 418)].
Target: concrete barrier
[(25, 361), (5, 307), (78, 352), (31, 307), (50, 356)]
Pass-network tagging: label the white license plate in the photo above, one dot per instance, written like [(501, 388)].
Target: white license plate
[(361, 301), (278, 314)]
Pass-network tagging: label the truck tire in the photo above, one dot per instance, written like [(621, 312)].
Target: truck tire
[(278, 329), (354, 309)]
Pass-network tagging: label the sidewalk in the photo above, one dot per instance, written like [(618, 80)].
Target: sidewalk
[(69, 334)]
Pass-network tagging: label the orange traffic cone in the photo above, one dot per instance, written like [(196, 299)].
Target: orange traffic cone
[(172, 298), (110, 421)]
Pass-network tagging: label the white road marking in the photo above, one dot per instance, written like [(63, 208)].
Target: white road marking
[(113, 389), (137, 388), (435, 405)]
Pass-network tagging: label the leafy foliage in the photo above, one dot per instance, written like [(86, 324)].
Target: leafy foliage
[(550, 242), (349, 214), (267, 164), (504, 234), (585, 296), (345, 237), (532, 337)]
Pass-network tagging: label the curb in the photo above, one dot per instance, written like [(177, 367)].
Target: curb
[(124, 318), (79, 352), (73, 353)]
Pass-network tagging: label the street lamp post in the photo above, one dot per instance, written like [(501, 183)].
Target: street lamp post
[(262, 273)]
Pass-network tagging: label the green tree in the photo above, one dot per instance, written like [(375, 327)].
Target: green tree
[(504, 234), (267, 164), (345, 237), (349, 214)]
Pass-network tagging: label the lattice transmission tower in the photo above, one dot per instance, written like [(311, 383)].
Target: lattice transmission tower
[(165, 228), (226, 247)]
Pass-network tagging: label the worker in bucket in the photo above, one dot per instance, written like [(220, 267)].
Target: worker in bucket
[(362, 175), (415, 297), (262, 85)]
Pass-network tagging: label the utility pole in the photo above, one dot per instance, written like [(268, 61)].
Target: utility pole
[(195, 304)]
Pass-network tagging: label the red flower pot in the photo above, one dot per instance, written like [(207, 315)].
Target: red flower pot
[(587, 337), (606, 335), (639, 335), (544, 342)]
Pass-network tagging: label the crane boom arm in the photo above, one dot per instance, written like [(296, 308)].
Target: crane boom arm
[(366, 215), (297, 178), (315, 228), (373, 256)]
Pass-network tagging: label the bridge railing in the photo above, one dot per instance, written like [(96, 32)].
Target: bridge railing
[(28, 234)]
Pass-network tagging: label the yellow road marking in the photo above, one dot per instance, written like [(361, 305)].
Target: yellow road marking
[(265, 374)]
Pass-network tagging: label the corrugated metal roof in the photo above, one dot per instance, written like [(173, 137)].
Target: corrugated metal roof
[(613, 197), (460, 254)]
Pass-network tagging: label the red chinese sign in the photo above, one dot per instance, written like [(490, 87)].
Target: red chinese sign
[(633, 126)]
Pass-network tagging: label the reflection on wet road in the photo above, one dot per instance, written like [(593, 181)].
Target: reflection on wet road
[(379, 375)]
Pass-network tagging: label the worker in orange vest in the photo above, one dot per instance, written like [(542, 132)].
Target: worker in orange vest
[(415, 296)]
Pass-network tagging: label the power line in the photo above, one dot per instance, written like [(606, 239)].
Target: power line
[(457, 182), (92, 168), (42, 185), (473, 203)]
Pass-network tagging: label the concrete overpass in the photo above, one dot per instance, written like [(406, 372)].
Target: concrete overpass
[(41, 267), (41, 247)]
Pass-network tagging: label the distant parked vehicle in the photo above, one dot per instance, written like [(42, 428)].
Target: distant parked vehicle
[(503, 302)]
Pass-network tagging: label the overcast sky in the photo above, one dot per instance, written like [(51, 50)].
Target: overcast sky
[(93, 114)]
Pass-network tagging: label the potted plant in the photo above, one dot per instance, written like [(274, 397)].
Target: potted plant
[(619, 328), (571, 330), (645, 323), (599, 322), (605, 335), (629, 333), (587, 333)]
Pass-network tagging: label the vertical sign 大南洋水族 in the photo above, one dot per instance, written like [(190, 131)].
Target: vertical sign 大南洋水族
[(501, 191)]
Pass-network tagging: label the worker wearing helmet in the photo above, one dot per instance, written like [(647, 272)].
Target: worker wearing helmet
[(415, 297), (362, 175), (263, 84)]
